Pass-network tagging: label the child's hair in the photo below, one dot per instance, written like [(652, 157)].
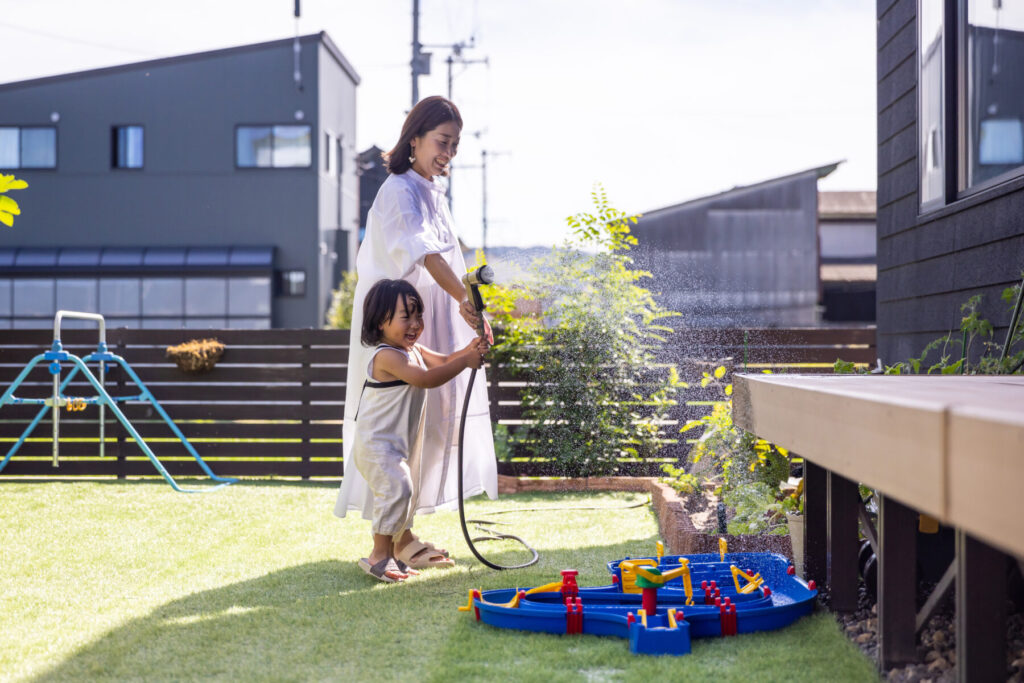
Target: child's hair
[(428, 114), (381, 303)]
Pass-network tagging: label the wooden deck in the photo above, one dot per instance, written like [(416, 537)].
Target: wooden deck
[(948, 446)]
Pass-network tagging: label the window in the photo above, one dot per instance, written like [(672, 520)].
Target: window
[(930, 126), (28, 147), (273, 146), (971, 96), (993, 62), (127, 147), (328, 153)]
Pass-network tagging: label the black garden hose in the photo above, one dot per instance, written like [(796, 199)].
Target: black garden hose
[(492, 535)]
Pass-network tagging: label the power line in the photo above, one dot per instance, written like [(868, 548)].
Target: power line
[(79, 41)]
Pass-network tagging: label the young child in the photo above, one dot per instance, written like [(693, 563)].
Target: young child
[(389, 422)]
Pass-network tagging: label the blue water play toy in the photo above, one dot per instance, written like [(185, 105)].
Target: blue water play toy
[(659, 603), (54, 358)]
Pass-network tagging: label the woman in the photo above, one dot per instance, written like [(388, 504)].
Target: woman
[(409, 236)]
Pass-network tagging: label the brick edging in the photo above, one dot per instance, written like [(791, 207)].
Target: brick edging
[(674, 523)]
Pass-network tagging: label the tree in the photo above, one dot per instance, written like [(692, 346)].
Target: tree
[(592, 397), (8, 207)]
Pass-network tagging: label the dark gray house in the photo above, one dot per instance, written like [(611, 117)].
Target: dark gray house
[(205, 190), (753, 255), (950, 166)]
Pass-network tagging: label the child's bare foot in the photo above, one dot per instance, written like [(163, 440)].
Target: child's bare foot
[(389, 570)]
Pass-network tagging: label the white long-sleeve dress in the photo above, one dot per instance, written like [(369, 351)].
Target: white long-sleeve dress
[(409, 220)]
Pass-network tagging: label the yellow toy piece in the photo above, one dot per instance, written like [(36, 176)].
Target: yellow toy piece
[(643, 616), (546, 588), (628, 568), (672, 618), (723, 548), (753, 582), (75, 405), (469, 605), (661, 550), (636, 568)]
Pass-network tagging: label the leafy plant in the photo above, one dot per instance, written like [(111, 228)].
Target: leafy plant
[(591, 397), (951, 354), (733, 456), (679, 479), (8, 207), (339, 312), (758, 509)]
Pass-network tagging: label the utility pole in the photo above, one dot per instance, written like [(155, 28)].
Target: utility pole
[(421, 66), (453, 57), (420, 60)]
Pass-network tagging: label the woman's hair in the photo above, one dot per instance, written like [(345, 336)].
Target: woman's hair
[(381, 303), (428, 114)]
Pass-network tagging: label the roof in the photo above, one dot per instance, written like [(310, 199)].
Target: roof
[(320, 37), (846, 205), (106, 259), (819, 171)]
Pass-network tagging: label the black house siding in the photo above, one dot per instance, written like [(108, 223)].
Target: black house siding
[(929, 264)]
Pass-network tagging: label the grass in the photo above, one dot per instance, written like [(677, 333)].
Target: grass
[(258, 581)]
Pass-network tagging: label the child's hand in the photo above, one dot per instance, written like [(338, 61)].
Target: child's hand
[(474, 352)]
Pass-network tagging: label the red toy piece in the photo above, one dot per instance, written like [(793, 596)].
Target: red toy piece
[(570, 589), (791, 570), (811, 585)]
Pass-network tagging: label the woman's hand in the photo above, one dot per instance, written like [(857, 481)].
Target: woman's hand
[(472, 319), (469, 314)]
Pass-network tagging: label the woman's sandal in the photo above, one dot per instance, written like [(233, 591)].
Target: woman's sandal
[(419, 555), (439, 551), (380, 570)]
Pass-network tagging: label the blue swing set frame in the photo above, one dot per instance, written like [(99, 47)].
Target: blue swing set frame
[(55, 357)]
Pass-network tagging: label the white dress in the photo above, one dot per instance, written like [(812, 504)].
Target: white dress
[(409, 219)]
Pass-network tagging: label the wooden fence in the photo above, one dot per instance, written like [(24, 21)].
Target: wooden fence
[(273, 404)]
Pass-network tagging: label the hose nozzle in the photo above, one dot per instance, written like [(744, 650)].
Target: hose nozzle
[(483, 275)]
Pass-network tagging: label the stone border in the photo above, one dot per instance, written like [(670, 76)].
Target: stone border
[(674, 523)]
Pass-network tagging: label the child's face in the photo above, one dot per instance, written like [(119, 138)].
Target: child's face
[(404, 328)]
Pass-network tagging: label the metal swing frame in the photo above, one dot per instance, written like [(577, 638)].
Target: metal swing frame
[(57, 355)]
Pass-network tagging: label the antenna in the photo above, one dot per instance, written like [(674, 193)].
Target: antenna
[(297, 50)]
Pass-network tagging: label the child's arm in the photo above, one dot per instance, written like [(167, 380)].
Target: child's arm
[(400, 366), (433, 358)]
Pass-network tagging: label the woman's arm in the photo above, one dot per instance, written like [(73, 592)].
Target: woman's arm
[(403, 367), (450, 282)]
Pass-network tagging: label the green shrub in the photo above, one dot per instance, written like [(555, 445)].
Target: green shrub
[(339, 312), (591, 396)]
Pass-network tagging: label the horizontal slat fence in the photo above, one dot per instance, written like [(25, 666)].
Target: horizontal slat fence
[(273, 405)]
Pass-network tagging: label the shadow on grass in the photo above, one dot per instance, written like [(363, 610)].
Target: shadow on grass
[(318, 620)]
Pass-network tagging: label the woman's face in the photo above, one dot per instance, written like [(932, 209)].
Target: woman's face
[(435, 149)]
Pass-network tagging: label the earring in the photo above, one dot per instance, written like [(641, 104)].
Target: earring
[(412, 156)]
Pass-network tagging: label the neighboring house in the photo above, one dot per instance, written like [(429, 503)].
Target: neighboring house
[(750, 255), (204, 190), (846, 247), (950, 166), (372, 175)]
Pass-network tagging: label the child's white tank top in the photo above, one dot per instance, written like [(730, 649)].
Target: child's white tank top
[(390, 414)]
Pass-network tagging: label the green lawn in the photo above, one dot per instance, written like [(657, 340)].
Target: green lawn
[(258, 581)]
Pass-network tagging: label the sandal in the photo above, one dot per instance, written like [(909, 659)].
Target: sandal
[(418, 555), (439, 551), (380, 570), (406, 569)]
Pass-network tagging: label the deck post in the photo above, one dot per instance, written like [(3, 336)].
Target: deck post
[(843, 500), (980, 611), (897, 582), (815, 522)]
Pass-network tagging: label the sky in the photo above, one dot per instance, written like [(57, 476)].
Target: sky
[(660, 101)]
